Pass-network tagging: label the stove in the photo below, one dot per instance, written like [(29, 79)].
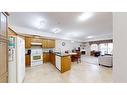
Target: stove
[(36, 57)]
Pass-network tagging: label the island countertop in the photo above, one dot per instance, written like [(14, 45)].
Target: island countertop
[(65, 54)]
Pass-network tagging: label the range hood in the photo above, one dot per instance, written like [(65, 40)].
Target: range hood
[(36, 44)]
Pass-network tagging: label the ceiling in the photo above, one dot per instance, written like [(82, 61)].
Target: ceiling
[(99, 25)]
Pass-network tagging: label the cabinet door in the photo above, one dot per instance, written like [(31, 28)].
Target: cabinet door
[(45, 43), (3, 24), (3, 61), (52, 58), (27, 42), (46, 57), (51, 44), (27, 58)]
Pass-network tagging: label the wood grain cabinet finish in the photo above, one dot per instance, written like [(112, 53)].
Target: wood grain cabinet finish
[(65, 63), (27, 42), (52, 58), (27, 60), (46, 57), (48, 43), (36, 40), (45, 43), (3, 49)]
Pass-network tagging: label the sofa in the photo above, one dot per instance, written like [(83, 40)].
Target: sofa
[(106, 60)]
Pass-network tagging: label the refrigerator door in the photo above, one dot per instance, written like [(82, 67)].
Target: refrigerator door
[(12, 59), (20, 59)]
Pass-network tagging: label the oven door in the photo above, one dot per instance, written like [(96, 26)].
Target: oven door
[(36, 58)]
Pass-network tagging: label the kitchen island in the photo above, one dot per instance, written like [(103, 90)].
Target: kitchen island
[(63, 61)]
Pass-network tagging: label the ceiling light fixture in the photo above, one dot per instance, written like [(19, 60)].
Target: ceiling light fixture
[(90, 37), (56, 30), (85, 16), (40, 23)]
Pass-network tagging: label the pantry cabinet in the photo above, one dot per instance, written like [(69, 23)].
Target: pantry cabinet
[(3, 48)]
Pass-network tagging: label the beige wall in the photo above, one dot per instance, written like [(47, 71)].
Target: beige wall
[(120, 47)]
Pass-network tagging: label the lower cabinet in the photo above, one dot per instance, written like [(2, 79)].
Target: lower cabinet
[(63, 63), (46, 57), (52, 58), (27, 60)]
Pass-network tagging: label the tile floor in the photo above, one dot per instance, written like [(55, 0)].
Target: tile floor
[(83, 72)]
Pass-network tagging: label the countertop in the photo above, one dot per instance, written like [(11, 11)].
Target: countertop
[(65, 54)]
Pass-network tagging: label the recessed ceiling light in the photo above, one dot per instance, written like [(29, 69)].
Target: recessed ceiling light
[(85, 16), (90, 37), (40, 23), (56, 30)]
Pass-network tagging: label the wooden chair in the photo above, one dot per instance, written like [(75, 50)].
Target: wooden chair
[(76, 57)]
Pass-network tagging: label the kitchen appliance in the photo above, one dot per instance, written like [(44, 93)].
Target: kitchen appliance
[(36, 56), (16, 65)]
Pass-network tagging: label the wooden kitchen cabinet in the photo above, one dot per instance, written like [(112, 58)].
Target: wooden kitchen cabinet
[(27, 42), (65, 63), (51, 43), (36, 40), (46, 57), (45, 43), (3, 48), (48, 43), (27, 60), (52, 58)]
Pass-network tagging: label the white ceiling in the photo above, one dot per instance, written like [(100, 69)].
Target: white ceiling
[(99, 25)]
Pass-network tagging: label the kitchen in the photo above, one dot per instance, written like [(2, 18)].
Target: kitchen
[(39, 51)]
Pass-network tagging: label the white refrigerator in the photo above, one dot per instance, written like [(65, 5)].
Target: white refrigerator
[(16, 65)]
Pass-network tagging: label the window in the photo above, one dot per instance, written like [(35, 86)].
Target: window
[(94, 47), (106, 48), (103, 49), (110, 48)]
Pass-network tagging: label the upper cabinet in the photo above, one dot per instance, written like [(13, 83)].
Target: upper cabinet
[(48, 43), (27, 42), (36, 40)]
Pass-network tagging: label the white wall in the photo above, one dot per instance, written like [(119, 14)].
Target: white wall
[(68, 45), (86, 47), (120, 47)]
